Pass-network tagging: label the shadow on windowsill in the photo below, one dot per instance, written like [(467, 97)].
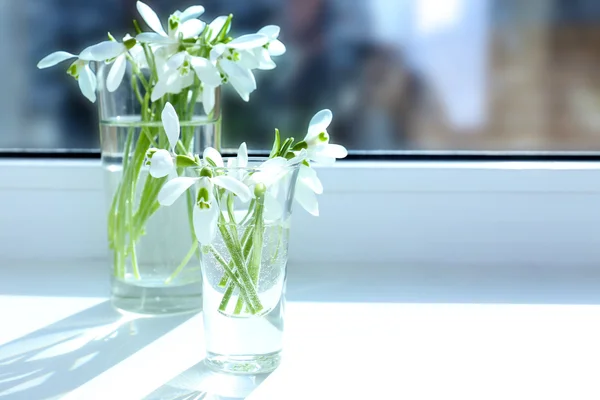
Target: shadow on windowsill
[(65, 355), (201, 383)]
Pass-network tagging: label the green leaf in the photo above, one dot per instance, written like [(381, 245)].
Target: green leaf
[(136, 26), (183, 161), (276, 144), (286, 146), (221, 36), (300, 145)]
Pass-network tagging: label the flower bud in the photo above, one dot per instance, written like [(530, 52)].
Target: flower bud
[(206, 172), (259, 190)]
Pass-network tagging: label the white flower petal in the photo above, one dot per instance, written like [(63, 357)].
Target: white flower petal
[(206, 71), (208, 99), (191, 12), (242, 89), (276, 162), (246, 42), (234, 186), (319, 123), (173, 189), (54, 58), (248, 59), (191, 29), (321, 159), (160, 89), (161, 163), (242, 79), (309, 178), (276, 48), (87, 83), (242, 156), (271, 31), (176, 60), (205, 223), (116, 74), (217, 52), (210, 153), (300, 156), (102, 51), (273, 209), (151, 37), (150, 18), (306, 198), (170, 122), (264, 59), (216, 25), (333, 150), (270, 171)]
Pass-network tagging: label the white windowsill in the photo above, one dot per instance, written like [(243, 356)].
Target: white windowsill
[(421, 213), (419, 280), (387, 331)]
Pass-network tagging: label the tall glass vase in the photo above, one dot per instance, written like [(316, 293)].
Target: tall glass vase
[(152, 270), (244, 274)]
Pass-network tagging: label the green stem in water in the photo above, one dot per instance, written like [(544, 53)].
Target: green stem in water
[(244, 292), (134, 263), (247, 246), (257, 239), (183, 263), (249, 213), (238, 260), (257, 248), (190, 214)]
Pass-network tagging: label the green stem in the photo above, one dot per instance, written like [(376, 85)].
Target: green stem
[(226, 296), (183, 263), (238, 260), (134, 263), (257, 248), (249, 213), (244, 290), (190, 214), (247, 246)]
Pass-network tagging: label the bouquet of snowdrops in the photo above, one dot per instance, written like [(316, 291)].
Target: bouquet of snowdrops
[(217, 185), (173, 67)]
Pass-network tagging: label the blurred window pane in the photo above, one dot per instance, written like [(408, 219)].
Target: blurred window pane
[(398, 74)]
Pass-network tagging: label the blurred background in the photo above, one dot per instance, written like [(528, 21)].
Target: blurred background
[(418, 75)]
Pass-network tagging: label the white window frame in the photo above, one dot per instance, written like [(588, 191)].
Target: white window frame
[(481, 214)]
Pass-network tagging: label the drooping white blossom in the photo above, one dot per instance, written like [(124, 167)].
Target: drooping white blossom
[(181, 25), (273, 48), (112, 53), (79, 69), (161, 160), (317, 140)]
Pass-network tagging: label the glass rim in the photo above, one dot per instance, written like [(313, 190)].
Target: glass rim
[(257, 160)]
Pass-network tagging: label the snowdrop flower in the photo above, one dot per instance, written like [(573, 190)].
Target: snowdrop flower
[(235, 61), (178, 73), (161, 160), (236, 165), (182, 25), (112, 53), (80, 70), (206, 211), (317, 140), (272, 48)]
